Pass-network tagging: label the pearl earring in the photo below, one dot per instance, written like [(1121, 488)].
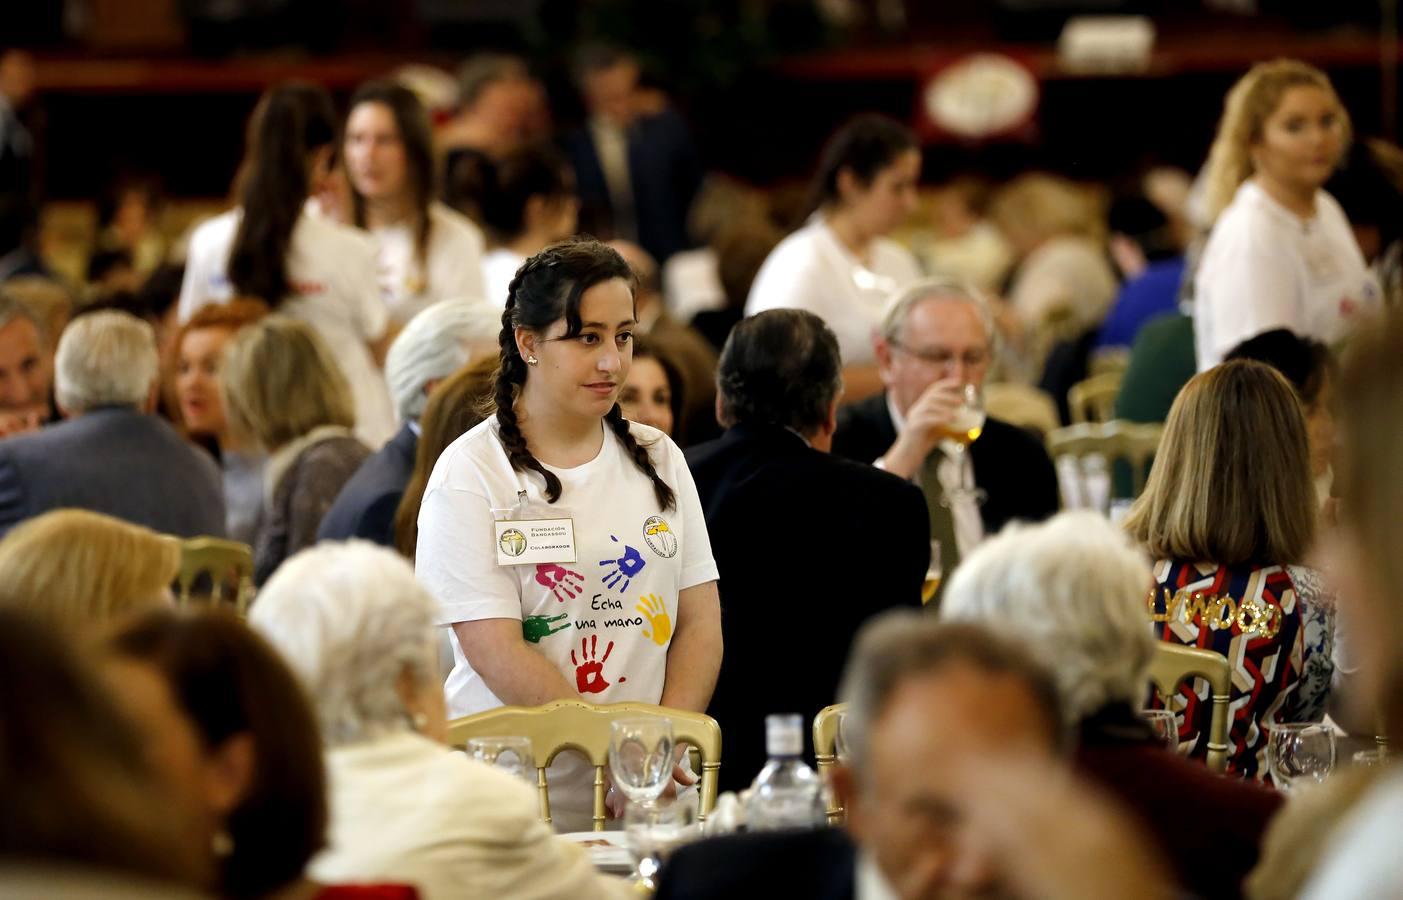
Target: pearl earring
[(420, 721)]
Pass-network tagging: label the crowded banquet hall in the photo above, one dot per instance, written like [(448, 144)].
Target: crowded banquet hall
[(412, 380)]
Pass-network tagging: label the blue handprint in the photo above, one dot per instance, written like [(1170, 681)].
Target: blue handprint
[(624, 568)]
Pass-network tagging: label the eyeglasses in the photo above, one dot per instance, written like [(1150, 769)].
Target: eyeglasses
[(972, 359)]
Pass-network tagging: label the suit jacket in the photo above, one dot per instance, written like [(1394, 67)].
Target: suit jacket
[(809, 547), (366, 506), (664, 174), (117, 461), (814, 865), (1010, 464)]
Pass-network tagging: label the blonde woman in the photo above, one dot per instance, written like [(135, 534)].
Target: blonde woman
[(283, 388), (80, 569), (1228, 515), (1281, 253)]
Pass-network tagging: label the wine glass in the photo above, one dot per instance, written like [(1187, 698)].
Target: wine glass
[(963, 430), (652, 831), (640, 757), (1300, 751), (510, 753), (1165, 725)]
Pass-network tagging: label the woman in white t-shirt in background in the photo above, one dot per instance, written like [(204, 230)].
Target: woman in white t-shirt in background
[(628, 609), (840, 266), (1281, 253), (301, 265), (428, 252), (526, 201)]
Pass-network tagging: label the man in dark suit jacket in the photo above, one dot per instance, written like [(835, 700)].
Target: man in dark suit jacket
[(437, 342), (937, 337), (110, 456), (809, 545), (636, 166), (925, 699)]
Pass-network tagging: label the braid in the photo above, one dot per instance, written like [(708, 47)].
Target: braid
[(639, 453), (510, 375)]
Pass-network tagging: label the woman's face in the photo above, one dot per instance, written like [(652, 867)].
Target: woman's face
[(1301, 140), (583, 375), (375, 158), (882, 205), (197, 380), (647, 396)]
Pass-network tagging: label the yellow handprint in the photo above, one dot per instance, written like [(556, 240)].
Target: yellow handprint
[(652, 606)]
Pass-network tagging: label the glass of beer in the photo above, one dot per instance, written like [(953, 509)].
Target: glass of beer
[(933, 574), (963, 430)]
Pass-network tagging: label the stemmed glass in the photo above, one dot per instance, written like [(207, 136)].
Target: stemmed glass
[(640, 761), (1165, 726), (963, 430), (510, 753), (1300, 752)]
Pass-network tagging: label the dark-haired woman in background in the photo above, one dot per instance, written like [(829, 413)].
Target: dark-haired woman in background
[(301, 265), (840, 266), (428, 252), (652, 393), (526, 202), (626, 609)]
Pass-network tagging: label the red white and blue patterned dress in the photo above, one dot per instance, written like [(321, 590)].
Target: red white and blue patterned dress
[(1274, 624)]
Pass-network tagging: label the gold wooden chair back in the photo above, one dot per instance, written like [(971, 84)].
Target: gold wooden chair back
[(576, 725), (228, 565), (1094, 400), (1173, 664), (1110, 361), (825, 734), (1133, 442)]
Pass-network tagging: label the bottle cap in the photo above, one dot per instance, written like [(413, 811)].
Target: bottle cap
[(784, 735)]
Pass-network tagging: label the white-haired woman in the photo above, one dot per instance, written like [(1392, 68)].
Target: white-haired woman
[(1074, 589), (359, 631)]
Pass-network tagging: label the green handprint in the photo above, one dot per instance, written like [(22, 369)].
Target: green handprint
[(533, 628)]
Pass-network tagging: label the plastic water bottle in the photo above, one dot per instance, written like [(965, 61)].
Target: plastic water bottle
[(786, 793)]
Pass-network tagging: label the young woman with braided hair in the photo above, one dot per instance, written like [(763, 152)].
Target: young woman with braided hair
[(623, 606)]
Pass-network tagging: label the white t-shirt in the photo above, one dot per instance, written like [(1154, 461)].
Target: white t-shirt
[(454, 258), (605, 621), (1265, 268), (498, 269), (812, 270), (332, 269)]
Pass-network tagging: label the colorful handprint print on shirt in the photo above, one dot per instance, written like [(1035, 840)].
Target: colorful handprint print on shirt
[(563, 583), (533, 628), (655, 610), (623, 569), (589, 674)]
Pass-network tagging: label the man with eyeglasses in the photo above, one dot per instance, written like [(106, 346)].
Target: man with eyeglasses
[(937, 338)]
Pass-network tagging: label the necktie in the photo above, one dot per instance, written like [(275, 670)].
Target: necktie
[(942, 520)]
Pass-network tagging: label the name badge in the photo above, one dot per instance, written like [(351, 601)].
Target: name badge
[(522, 542)]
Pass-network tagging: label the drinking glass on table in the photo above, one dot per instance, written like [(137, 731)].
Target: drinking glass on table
[(510, 753), (640, 757), (1165, 725), (652, 831), (963, 430), (1300, 753)]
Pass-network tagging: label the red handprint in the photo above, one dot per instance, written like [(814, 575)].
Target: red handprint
[(589, 675), (562, 582)]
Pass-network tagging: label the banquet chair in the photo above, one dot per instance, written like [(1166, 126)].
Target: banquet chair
[(1094, 400), (1109, 361), (1173, 664), (1132, 443), (825, 734), (576, 725), (227, 566)]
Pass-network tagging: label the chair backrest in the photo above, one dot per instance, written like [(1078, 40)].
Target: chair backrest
[(1094, 400), (576, 725), (826, 752), (228, 566), (1134, 443), (1174, 664), (1109, 360)]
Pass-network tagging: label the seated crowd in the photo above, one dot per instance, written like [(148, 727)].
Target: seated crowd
[(479, 459)]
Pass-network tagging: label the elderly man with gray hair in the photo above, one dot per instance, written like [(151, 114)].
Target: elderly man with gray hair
[(358, 630), (936, 338), (1073, 589), (110, 456), (436, 343)]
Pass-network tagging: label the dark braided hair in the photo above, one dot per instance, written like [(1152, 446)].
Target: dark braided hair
[(547, 288)]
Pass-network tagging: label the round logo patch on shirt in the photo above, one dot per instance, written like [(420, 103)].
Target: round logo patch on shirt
[(512, 542), (659, 537)]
